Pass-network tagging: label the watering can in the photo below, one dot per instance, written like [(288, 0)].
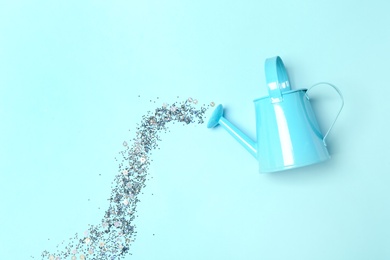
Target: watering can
[(287, 132)]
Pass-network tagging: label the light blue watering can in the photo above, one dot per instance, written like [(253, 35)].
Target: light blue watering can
[(287, 132)]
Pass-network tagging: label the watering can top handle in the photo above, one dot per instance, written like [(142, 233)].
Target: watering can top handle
[(276, 78)]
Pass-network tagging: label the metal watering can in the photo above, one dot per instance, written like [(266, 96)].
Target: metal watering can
[(287, 132)]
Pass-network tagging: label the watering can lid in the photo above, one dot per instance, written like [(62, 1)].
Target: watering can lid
[(276, 78)]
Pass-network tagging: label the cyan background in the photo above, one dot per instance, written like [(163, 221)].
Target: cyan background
[(70, 76)]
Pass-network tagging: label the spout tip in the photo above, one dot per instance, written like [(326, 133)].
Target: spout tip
[(215, 117)]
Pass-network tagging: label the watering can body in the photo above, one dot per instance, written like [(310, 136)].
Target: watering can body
[(287, 132), (288, 135)]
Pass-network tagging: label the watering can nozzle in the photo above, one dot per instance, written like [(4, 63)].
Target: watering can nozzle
[(215, 117)]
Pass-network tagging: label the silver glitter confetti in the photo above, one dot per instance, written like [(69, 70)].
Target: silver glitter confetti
[(104, 240)]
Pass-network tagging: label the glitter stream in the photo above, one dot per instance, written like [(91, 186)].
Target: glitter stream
[(112, 238)]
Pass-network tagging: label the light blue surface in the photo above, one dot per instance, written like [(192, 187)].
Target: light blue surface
[(70, 76), (287, 132)]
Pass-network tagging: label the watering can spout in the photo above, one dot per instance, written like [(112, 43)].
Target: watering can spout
[(218, 119)]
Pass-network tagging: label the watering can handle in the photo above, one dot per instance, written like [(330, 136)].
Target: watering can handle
[(341, 107), (276, 78)]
